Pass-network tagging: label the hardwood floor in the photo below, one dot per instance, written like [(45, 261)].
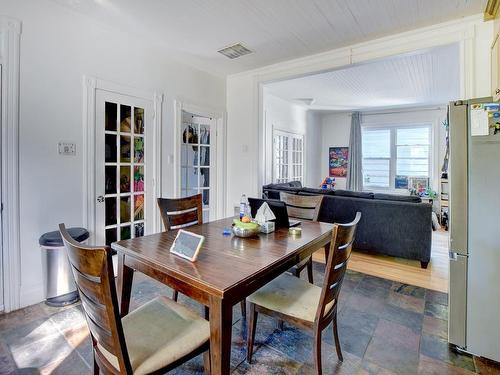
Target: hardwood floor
[(406, 271)]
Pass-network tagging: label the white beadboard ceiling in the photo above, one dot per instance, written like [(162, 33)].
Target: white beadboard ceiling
[(276, 30), (424, 77)]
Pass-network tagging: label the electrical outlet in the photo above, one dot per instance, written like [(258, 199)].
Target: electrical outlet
[(67, 148)]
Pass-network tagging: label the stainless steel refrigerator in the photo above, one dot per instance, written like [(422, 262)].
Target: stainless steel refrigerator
[(474, 178)]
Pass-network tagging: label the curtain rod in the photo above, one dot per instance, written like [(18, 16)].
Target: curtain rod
[(398, 112)]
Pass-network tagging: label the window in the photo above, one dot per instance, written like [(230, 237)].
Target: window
[(288, 157), (396, 157)]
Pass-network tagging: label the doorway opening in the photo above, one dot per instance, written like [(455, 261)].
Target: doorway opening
[(402, 104)]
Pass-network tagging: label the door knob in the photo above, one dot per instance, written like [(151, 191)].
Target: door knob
[(100, 199), (497, 91)]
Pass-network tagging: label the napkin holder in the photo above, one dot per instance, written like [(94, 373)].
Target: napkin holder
[(263, 217), (267, 227)]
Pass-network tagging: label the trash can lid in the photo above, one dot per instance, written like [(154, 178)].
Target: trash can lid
[(54, 238)]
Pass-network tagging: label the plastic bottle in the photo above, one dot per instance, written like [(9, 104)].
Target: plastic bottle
[(243, 205)]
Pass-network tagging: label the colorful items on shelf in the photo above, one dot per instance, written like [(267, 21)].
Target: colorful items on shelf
[(328, 183), (423, 192), (139, 179)]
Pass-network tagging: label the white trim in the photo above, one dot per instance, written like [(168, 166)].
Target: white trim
[(462, 31), (10, 35), (220, 118), (90, 86), (406, 42), (157, 180)]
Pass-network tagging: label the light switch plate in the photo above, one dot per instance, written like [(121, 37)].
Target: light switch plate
[(67, 148)]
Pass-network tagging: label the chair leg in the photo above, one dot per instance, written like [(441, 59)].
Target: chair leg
[(251, 326), (96, 367), (336, 337), (175, 295), (310, 271), (281, 325), (206, 362), (243, 305), (317, 352)]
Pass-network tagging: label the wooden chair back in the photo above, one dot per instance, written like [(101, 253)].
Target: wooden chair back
[(93, 272), (343, 236), (302, 206), (181, 212)]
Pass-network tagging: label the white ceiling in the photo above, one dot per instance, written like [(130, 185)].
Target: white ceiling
[(277, 30), (425, 77)]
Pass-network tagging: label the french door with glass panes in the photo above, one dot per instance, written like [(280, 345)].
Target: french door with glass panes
[(124, 187), (288, 157), (198, 156)]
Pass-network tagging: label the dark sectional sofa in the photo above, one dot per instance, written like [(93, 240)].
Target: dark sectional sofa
[(394, 225)]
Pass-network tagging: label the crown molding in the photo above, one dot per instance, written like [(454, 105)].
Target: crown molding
[(10, 24), (491, 10)]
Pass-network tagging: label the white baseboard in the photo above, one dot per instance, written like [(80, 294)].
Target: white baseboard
[(31, 294)]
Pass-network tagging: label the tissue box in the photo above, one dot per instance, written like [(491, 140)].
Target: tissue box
[(267, 227)]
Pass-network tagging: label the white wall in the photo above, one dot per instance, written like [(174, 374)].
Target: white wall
[(244, 134), (314, 175), (58, 47), (280, 114), (335, 131)]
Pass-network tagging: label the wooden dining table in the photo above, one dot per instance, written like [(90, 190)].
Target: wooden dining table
[(228, 269)]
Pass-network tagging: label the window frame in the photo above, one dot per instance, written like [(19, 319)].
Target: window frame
[(393, 128), (290, 161)]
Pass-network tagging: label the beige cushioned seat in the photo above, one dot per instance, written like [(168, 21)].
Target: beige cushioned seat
[(291, 296), (158, 333)]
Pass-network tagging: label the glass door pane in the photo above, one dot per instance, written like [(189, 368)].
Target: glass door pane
[(124, 171), (196, 154)]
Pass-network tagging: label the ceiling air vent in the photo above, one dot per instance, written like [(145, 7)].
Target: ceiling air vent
[(234, 51)]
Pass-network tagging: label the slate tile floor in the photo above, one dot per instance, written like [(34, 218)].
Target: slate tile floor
[(385, 328)]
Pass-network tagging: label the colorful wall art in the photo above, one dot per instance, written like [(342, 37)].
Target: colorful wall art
[(338, 157)]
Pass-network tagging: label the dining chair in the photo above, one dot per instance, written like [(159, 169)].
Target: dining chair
[(304, 207), (180, 213), (303, 304), (155, 338)]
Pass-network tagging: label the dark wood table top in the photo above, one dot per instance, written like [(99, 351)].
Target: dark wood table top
[(224, 262)]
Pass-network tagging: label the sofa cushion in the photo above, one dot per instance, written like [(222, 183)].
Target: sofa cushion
[(284, 185), (295, 184), (397, 197), (275, 193), (315, 191), (354, 194)]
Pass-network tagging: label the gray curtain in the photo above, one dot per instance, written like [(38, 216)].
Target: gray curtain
[(354, 174)]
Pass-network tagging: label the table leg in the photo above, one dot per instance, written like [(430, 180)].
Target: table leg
[(327, 252), (124, 285), (221, 324)]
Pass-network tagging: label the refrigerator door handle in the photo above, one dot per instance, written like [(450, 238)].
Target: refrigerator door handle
[(453, 255)]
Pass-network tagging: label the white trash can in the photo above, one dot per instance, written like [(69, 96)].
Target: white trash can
[(59, 285)]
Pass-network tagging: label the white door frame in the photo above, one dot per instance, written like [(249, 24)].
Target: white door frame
[(90, 87), (220, 117), (10, 37)]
